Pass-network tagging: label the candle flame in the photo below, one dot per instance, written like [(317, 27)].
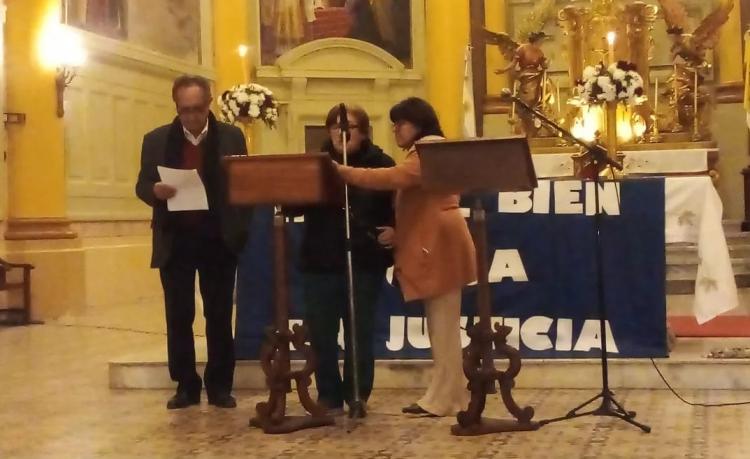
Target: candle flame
[(242, 50), (611, 38)]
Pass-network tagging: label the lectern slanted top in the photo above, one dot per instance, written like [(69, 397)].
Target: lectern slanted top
[(477, 165), (285, 180)]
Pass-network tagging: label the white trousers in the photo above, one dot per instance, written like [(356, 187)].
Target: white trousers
[(447, 393)]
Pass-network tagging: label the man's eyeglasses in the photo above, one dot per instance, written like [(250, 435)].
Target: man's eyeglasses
[(196, 109)]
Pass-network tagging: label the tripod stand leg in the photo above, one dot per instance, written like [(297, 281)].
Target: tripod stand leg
[(622, 409), (610, 407), (587, 402), (632, 421)]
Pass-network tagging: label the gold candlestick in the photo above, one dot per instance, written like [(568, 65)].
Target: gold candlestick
[(512, 119), (677, 127), (696, 127), (655, 137)]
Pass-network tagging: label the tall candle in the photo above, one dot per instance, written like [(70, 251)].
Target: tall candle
[(611, 47), (559, 111), (656, 95), (242, 51)]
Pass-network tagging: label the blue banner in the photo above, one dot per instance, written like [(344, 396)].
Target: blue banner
[(542, 250)]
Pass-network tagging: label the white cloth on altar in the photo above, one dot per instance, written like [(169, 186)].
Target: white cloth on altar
[(693, 214), (555, 165), (666, 161), (550, 165)]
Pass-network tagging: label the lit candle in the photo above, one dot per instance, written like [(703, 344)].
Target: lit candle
[(243, 51), (611, 47), (656, 95), (559, 111)]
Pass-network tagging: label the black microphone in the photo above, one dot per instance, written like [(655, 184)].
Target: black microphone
[(344, 121)]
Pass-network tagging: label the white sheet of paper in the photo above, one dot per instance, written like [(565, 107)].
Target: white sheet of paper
[(191, 194)]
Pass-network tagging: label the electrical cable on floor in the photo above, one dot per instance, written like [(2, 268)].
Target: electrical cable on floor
[(704, 405), (119, 329)]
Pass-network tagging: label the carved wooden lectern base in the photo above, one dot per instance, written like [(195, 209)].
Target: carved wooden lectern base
[(479, 357), (477, 167), (274, 358), (284, 180), (479, 369)]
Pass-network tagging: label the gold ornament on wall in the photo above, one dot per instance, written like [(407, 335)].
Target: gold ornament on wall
[(528, 67), (690, 98)]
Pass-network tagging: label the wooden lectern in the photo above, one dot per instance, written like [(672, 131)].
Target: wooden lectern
[(303, 179), (481, 166)]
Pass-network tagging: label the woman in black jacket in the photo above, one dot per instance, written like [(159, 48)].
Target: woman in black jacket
[(323, 264)]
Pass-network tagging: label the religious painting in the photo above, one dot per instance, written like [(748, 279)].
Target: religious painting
[(105, 17), (169, 27), (286, 24)]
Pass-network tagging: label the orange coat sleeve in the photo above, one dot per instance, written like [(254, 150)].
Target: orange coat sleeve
[(404, 175)]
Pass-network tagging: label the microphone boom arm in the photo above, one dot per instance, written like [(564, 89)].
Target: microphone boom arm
[(597, 151)]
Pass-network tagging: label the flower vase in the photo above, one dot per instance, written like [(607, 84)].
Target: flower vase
[(247, 129)]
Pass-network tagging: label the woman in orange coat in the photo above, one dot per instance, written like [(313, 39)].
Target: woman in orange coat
[(434, 253)]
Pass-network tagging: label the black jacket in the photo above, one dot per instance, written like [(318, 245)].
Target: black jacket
[(323, 243), (163, 147)]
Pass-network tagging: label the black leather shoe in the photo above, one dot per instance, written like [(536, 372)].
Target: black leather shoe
[(183, 400), (222, 401), (416, 409)]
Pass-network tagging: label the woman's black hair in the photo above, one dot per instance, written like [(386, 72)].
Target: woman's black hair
[(419, 113)]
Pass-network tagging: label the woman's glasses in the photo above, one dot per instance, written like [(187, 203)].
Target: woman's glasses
[(337, 128)]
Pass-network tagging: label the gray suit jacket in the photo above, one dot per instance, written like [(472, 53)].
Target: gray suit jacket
[(233, 221)]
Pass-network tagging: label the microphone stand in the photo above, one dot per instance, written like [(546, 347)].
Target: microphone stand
[(609, 405), (356, 407)]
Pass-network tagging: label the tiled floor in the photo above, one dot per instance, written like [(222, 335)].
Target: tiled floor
[(54, 403)]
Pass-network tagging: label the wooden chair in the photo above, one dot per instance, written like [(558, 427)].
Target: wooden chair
[(16, 314)]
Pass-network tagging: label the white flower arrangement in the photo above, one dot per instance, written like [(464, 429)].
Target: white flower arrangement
[(619, 82), (249, 102)]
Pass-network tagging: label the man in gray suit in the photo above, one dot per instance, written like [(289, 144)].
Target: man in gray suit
[(206, 241)]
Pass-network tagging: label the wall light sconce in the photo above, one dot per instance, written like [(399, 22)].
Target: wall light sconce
[(61, 48), (63, 78)]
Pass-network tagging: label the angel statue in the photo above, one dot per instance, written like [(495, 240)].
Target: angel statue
[(527, 62), (690, 64)]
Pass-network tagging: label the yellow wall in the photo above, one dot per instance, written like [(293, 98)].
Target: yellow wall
[(447, 35), (729, 49), (231, 29), (36, 160)]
